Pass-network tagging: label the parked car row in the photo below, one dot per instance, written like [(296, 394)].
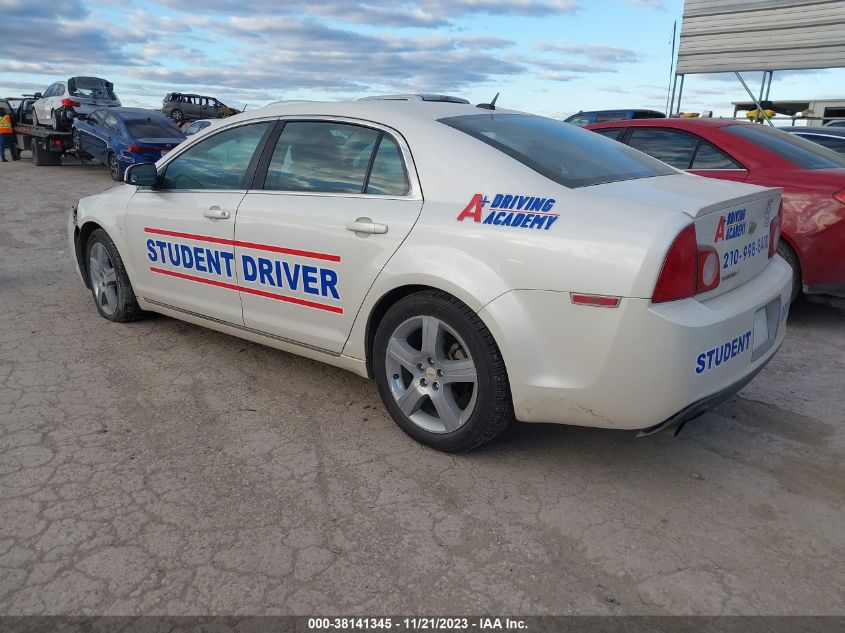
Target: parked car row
[(64, 101), (811, 175)]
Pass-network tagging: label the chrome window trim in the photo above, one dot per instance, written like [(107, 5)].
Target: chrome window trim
[(415, 188)]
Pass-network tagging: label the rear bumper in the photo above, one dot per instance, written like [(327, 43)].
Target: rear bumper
[(642, 364), (674, 424)]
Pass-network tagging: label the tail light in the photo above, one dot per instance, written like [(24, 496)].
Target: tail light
[(70, 103), (688, 269), (774, 231), (133, 148), (708, 269)]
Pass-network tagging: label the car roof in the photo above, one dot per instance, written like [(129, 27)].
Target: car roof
[(388, 112), (675, 122), (816, 131)]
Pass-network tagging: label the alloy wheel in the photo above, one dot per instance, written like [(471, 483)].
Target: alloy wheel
[(431, 374), (103, 279)]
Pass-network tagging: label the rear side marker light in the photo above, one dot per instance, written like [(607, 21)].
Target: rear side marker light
[(839, 196), (598, 301)]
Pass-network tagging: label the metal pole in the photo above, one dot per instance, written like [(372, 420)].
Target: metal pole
[(762, 90), (751, 94), (769, 87), (672, 102), (671, 62), (680, 93)]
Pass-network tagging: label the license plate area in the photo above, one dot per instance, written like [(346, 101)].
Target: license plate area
[(765, 329)]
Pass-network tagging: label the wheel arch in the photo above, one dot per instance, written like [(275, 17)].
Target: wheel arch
[(81, 235), (388, 300)]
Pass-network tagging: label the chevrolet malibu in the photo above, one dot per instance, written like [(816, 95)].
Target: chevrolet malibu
[(482, 265)]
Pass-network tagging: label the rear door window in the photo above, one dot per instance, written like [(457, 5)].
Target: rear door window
[(563, 153), (388, 176), (708, 156), (674, 148)]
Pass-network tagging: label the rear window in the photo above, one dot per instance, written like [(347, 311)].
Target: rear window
[(90, 88), (564, 153), (798, 151), (153, 129)]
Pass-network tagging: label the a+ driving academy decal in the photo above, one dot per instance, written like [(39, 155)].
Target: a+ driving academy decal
[(524, 212)]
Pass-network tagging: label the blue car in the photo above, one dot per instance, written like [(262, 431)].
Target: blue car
[(119, 137)]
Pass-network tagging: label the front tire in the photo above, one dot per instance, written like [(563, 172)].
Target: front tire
[(440, 373), (785, 251), (177, 115), (110, 286)]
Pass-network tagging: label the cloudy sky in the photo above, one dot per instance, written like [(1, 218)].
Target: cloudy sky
[(553, 57)]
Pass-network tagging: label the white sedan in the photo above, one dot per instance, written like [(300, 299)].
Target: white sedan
[(482, 265)]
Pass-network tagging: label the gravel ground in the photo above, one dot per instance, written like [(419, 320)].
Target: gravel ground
[(159, 467)]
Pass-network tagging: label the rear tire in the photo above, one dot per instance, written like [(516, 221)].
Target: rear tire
[(115, 169), (110, 286), (451, 393), (791, 258), (177, 115)]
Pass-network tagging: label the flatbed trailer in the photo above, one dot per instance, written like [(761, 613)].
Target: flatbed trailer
[(46, 144)]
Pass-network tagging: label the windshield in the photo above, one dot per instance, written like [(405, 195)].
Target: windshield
[(90, 88), (153, 129), (559, 151), (796, 150)]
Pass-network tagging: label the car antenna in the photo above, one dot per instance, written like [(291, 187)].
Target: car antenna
[(489, 106)]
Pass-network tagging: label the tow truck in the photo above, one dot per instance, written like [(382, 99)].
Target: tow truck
[(46, 144)]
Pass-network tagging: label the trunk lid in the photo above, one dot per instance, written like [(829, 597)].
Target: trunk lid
[(731, 218), (156, 146)]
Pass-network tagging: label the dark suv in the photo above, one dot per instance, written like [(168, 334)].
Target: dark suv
[(600, 116), (186, 107)]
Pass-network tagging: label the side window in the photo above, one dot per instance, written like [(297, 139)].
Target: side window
[(388, 176), (613, 132), (675, 148), (610, 116), (110, 122), (97, 117), (220, 161), (709, 156), (321, 157)]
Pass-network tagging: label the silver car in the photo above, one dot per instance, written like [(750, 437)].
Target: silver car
[(63, 101), (187, 107)]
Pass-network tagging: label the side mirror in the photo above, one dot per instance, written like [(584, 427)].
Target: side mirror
[(37, 95), (141, 175)]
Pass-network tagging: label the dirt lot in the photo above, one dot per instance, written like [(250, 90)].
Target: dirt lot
[(159, 467)]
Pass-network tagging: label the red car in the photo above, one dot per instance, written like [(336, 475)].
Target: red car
[(812, 178)]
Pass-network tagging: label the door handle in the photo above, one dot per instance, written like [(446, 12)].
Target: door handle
[(365, 226), (216, 213)]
